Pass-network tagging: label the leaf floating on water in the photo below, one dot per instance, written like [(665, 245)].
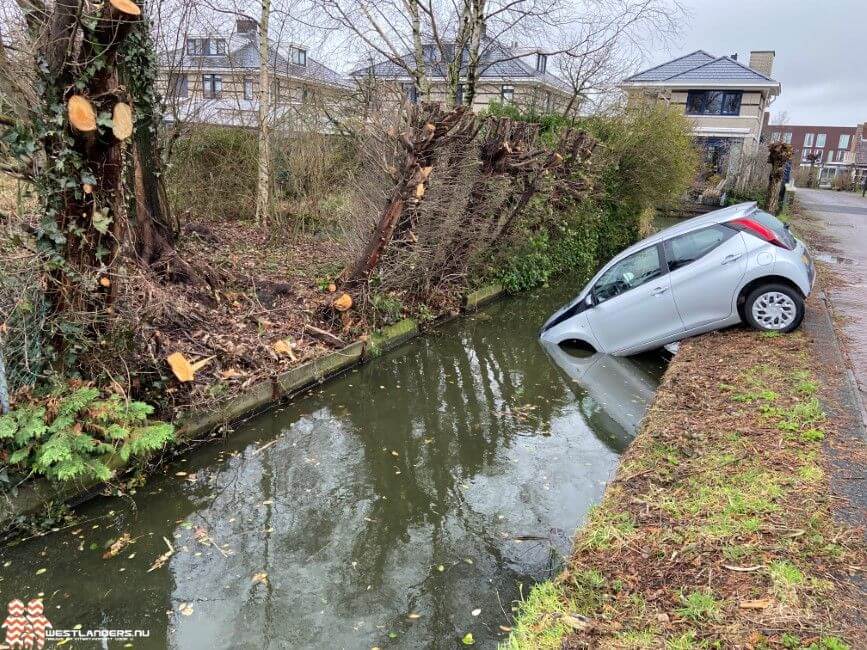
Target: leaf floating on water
[(441, 568), (468, 639), (39, 572), (117, 547), (504, 628), (392, 635), (260, 577), (413, 616), (186, 609), (476, 611), (468, 560), (162, 559)]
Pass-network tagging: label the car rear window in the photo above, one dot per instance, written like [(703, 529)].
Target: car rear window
[(770, 221)]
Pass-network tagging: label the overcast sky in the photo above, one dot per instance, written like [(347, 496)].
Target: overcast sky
[(821, 48)]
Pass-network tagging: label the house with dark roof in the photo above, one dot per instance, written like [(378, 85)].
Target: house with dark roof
[(214, 78), (506, 75), (725, 99)]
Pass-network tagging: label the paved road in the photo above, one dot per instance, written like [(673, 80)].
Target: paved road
[(842, 219)]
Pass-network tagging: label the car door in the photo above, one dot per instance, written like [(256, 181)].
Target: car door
[(706, 268), (633, 307)]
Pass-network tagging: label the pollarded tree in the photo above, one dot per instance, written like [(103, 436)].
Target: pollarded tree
[(88, 123)]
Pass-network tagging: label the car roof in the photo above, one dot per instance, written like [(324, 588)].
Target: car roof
[(695, 223)]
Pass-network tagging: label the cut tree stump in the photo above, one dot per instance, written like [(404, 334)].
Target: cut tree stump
[(126, 7), (82, 115), (122, 121)]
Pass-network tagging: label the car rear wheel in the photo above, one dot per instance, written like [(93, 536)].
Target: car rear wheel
[(774, 308)]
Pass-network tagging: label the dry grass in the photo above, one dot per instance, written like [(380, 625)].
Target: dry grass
[(718, 531)]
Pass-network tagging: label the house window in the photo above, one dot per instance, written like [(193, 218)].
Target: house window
[(714, 102), (206, 46), (298, 56), (820, 140), (808, 140), (410, 92), (830, 155), (178, 85), (459, 95), (787, 137), (248, 89), (212, 86), (507, 94), (541, 62), (844, 141)]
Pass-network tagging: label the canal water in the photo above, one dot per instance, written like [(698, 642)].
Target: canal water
[(405, 504)]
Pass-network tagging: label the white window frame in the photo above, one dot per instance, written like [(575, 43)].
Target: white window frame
[(212, 86), (248, 89), (787, 137), (507, 94), (808, 139), (820, 140), (845, 139)]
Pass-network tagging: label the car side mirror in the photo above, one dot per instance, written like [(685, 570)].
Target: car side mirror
[(589, 301)]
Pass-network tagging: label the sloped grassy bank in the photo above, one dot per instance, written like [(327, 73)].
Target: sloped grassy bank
[(718, 529)]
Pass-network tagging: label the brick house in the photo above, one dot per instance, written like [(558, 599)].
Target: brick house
[(840, 150), (507, 75), (724, 99), (214, 78)]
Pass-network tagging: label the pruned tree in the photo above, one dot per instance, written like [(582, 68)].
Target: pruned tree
[(91, 120), (779, 153)]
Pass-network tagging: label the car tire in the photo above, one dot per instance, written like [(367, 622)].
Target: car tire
[(774, 308)]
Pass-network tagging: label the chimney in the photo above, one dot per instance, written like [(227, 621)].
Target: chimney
[(734, 56), (762, 61), (246, 27)]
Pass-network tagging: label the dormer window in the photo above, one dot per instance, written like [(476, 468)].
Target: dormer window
[(298, 56), (206, 46), (541, 62)]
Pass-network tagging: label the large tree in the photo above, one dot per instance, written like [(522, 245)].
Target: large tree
[(82, 130)]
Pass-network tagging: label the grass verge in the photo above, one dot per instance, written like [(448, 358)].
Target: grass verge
[(718, 530)]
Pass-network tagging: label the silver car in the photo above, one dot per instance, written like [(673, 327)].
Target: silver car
[(731, 265)]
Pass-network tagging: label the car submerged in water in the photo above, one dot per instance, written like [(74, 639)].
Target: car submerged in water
[(737, 264)]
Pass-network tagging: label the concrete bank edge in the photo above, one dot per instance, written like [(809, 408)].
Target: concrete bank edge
[(33, 495)]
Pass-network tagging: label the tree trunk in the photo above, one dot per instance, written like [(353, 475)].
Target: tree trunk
[(421, 83), (263, 191), (477, 31)]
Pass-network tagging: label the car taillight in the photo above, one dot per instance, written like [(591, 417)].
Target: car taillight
[(755, 228)]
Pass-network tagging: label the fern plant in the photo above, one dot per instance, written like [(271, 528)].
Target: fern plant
[(72, 431)]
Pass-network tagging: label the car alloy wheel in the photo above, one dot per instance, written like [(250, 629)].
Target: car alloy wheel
[(774, 310)]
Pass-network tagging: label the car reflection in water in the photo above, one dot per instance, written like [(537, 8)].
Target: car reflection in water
[(613, 391)]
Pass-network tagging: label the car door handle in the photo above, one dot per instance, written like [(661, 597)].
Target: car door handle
[(658, 291), (732, 258)]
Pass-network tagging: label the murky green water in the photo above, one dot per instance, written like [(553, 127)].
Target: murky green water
[(385, 509)]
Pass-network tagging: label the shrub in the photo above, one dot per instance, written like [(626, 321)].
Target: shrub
[(213, 172), (71, 431)]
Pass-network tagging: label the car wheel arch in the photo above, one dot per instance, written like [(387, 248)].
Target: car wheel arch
[(750, 286)]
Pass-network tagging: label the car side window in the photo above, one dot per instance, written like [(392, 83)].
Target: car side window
[(628, 273), (687, 248)]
